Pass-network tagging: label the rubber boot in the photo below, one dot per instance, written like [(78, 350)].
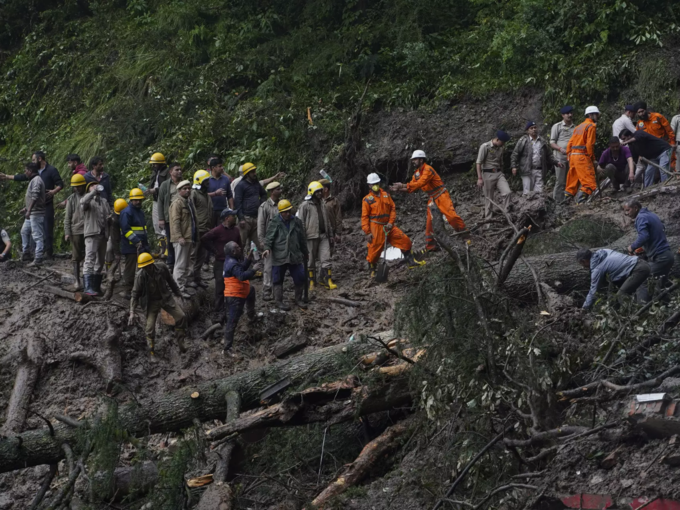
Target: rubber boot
[(97, 287), (278, 296), (163, 243), (76, 275), (326, 280), (568, 198), (372, 266), (267, 294), (412, 262), (36, 263), (25, 256), (180, 335), (151, 346), (89, 290), (299, 291), (199, 283), (581, 197), (312, 279)]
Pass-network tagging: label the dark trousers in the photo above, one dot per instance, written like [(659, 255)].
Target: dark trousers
[(235, 307), (129, 270), (170, 261), (297, 272), (635, 281), (218, 270), (49, 229), (660, 266)]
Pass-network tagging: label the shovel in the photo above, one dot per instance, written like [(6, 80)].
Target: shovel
[(383, 268)]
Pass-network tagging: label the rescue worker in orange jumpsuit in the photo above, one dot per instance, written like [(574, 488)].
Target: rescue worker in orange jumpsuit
[(582, 161), (378, 214), (428, 180), (656, 125)]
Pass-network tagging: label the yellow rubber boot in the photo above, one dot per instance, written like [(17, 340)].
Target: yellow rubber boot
[(312, 279), (371, 269), (328, 283), (150, 345)]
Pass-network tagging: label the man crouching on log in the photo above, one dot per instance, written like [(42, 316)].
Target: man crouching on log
[(155, 284), (238, 293)]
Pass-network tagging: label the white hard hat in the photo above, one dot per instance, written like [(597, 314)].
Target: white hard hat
[(373, 179), (418, 154), (592, 109)]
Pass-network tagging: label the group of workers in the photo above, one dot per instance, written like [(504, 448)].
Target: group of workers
[(642, 152), (236, 220)]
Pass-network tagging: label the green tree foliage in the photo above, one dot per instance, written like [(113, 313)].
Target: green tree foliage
[(187, 77)]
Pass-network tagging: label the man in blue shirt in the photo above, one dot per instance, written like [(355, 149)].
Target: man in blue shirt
[(652, 239), (248, 196), (219, 188), (626, 272)]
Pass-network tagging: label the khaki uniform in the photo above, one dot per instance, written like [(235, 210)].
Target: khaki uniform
[(74, 228), (204, 214), (533, 159), (319, 232), (490, 158), (560, 135), (157, 288), (96, 212), (334, 213), (182, 220), (265, 214)]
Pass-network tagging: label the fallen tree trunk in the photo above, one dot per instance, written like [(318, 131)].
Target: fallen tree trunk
[(363, 465), (78, 297), (174, 411), (561, 271), (27, 377), (331, 403)]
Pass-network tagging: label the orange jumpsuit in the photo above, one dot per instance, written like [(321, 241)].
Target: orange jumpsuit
[(658, 126), (581, 154), (377, 210), (429, 181)]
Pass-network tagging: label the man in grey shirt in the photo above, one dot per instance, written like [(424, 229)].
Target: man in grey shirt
[(627, 272), (34, 212), (559, 139)]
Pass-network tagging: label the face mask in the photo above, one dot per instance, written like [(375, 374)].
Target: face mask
[(376, 187)]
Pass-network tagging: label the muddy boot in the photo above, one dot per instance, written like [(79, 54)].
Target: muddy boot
[(326, 280), (581, 197), (152, 354), (25, 256), (372, 266), (299, 291), (267, 294), (228, 338), (36, 263), (98, 283), (180, 335), (278, 296), (199, 283), (312, 279), (412, 262), (78, 285)]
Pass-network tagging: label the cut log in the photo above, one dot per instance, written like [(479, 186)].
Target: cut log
[(190, 306), (562, 272), (224, 451), (289, 346), (175, 411), (330, 403), (363, 465), (27, 377), (78, 297)]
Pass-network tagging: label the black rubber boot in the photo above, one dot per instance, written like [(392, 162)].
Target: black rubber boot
[(299, 291), (76, 275), (89, 289), (278, 296)]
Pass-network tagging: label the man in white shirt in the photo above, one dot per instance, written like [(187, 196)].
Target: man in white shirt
[(624, 121)]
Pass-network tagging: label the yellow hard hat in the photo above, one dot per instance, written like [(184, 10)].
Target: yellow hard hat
[(136, 194), (248, 167), (285, 205), (157, 158), (199, 177), (314, 187), (77, 180), (144, 260), (119, 205)]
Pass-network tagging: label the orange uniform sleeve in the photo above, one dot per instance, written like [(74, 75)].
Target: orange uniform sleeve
[(668, 129), (591, 132), (365, 213), (393, 210), (425, 177)]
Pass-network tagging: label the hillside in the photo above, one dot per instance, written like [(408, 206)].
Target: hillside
[(476, 381)]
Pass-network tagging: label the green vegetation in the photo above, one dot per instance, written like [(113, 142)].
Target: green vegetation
[(125, 79)]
